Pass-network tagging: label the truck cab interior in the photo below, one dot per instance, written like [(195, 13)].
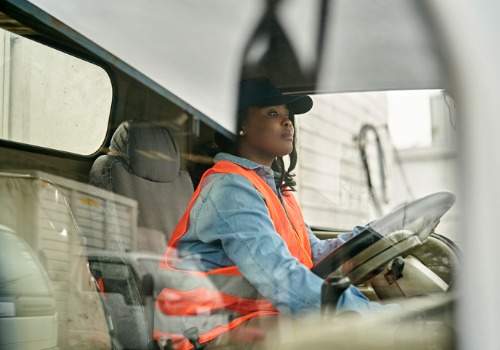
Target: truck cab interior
[(107, 121)]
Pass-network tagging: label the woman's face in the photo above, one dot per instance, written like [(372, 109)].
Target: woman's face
[(267, 133)]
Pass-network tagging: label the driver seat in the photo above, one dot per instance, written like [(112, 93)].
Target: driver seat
[(144, 164)]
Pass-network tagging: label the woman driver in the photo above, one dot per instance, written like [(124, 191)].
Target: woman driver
[(243, 247)]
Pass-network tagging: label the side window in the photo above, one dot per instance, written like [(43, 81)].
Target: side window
[(338, 145), (51, 99)]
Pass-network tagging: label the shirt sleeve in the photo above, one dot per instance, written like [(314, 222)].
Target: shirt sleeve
[(322, 247), (247, 234)]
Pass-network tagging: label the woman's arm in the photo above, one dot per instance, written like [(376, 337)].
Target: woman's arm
[(322, 247)]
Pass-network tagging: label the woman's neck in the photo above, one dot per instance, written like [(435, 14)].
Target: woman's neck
[(259, 159)]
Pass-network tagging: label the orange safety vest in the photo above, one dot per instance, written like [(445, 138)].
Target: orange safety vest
[(221, 299)]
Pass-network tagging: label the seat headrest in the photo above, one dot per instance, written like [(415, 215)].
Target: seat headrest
[(146, 150)]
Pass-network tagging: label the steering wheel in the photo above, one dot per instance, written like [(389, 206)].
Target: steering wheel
[(384, 239)]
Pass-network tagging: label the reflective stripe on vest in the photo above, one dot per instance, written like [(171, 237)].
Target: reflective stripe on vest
[(221, 299)]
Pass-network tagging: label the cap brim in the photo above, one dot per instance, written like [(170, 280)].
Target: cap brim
[(299, 104)]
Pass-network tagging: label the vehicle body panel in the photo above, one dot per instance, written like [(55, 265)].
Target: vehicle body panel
[(28, 317)]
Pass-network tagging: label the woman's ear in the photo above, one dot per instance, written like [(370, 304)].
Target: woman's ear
[(242, 129)]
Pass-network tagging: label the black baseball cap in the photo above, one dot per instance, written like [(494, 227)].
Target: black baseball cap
[(262, 92)]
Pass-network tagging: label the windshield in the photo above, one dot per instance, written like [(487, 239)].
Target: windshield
[(96, 168)]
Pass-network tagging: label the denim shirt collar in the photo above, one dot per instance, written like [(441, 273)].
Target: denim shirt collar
[(265, 172)]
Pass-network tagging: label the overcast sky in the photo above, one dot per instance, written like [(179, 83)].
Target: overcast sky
[(410, 118)]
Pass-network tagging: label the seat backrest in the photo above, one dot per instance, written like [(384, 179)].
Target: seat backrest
[(144, 164)]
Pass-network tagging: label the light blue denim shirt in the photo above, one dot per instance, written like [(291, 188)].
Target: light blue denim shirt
[(229, 224)]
